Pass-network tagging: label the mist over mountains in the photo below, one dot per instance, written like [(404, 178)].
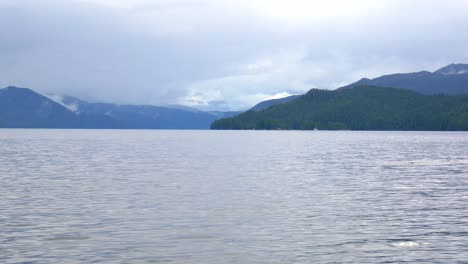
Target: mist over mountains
[(25, 108)]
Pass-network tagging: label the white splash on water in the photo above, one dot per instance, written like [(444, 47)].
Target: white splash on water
[(406, 244)]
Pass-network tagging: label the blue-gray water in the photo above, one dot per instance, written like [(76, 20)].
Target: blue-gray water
[(111, 196)]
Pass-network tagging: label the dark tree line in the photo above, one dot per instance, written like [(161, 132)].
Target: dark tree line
[(359, 108)]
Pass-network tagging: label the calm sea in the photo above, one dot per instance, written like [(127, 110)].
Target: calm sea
[(133, 196)]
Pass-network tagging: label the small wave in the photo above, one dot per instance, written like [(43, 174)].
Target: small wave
[(59, 238)]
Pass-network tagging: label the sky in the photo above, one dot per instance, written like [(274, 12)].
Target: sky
[(221, 54)]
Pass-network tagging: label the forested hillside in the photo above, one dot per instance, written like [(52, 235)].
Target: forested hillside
[(359, 108)]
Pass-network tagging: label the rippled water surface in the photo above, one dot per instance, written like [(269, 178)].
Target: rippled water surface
[(111, 196)]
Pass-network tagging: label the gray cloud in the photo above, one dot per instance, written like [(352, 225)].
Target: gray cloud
[(228, 54)]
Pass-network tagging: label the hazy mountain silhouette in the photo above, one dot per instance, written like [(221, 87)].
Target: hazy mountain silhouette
[(22, 107), (268, 103), (451, 79)]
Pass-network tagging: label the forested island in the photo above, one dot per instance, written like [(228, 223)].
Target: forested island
[(358, 108)]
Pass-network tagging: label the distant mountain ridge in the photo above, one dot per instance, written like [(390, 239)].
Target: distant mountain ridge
[(451, 79), (268, 103), (25, 108), (21, 107), (454, 68)]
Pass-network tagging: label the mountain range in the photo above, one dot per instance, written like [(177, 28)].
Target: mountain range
[(25, 108)]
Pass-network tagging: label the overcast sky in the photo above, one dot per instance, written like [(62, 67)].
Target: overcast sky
[(220, 53)]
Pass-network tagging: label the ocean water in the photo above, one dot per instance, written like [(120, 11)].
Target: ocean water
[(134, 196)]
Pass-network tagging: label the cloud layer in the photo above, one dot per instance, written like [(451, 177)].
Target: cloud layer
[(220, 54)]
